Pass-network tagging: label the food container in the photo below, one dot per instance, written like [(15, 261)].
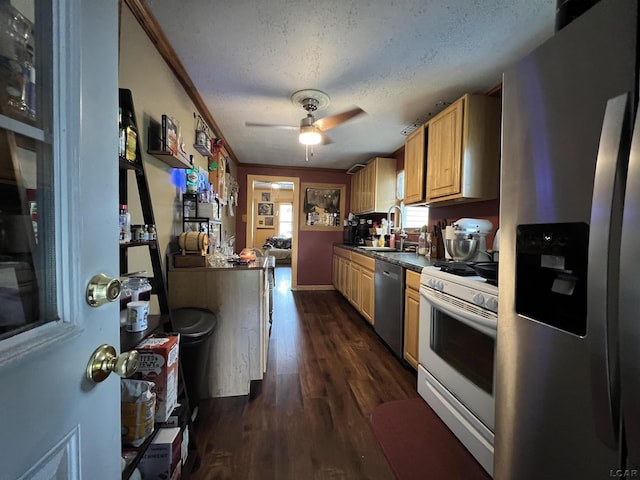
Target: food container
[(137, 316)]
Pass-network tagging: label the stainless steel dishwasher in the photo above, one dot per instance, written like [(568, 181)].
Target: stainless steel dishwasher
[(389, 305)]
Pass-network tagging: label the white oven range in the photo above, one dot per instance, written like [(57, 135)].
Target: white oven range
[(456, 372)]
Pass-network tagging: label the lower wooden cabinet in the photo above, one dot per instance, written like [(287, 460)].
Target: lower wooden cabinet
[(411, 317), (353, 276), (353, 287), (367, 299), (340, 270)]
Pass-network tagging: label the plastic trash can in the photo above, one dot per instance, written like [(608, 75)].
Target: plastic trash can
[(196, 327)]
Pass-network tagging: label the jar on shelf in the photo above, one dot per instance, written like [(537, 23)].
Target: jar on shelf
[(125, 224), (151, 232), (138, 232), (129, 136), (138, 288)]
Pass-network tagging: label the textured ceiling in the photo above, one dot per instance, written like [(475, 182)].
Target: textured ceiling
[(398, 60)]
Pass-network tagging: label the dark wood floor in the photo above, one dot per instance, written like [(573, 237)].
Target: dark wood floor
[(310, 416)]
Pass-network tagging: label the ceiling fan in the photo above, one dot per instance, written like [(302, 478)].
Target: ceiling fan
[(311, 130)]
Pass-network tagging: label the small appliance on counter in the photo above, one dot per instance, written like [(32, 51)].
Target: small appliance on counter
[(467, 241), (349, 233), (362, 232)]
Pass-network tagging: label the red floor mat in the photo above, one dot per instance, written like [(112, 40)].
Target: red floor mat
[(419, 446)]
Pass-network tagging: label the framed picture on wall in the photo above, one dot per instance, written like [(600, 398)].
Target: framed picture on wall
[(265, 214), (322, 206), (265, 196), (265, 209)]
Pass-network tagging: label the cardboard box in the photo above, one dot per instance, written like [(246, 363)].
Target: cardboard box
[(163, 455), (159, 364), (178, 418)]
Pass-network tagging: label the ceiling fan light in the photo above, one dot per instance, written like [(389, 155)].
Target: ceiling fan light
[(309, 135)]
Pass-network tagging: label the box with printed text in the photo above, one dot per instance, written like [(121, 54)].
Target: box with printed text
[(159, 364), (163, 456)]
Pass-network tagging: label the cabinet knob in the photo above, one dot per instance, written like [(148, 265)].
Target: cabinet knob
[(104, 361)]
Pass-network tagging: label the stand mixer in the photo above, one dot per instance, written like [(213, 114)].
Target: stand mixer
[(477, 229)]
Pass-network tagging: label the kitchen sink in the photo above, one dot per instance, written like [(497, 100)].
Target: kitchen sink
[(379, 249)]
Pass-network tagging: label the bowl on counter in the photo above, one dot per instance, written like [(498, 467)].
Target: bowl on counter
[(460, 248)]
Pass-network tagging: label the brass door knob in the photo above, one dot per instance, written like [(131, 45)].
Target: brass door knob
[(102, 289), (104, 361)]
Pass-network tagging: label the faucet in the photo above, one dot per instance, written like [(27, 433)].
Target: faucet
[(400, 225)]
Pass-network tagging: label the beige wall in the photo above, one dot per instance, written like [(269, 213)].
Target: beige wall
[(156, 91), (276, 197)]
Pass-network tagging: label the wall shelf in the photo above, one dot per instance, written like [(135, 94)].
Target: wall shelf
[(162, 143), (170, 159), (127, 165)]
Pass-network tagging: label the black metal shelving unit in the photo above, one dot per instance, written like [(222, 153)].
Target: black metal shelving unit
[(157, 323)]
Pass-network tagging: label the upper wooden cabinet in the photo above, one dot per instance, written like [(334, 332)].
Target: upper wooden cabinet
[(463, 151), (415, 167), (373, 189)]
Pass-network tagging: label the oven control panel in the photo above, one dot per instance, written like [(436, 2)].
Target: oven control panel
[(470, 289)]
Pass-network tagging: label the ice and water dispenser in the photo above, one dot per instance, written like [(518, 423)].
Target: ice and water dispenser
[(551, 274)]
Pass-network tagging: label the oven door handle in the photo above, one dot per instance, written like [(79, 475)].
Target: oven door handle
[(487, 326)]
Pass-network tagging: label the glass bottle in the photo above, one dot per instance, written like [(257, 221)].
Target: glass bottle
[(125, 224), (422, 243), (192, 178), (122, 137)]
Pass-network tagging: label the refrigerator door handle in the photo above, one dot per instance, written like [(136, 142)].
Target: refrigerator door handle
[(629, 305), (606, 213)]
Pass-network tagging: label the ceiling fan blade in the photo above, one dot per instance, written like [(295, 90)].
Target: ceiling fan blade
[(325, 140), (271, 125), (332, 121)]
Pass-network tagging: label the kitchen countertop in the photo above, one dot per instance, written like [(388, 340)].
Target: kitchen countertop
[(408, 260), (262, 263)]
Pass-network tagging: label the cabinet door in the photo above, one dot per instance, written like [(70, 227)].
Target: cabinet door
[(411, 326), (344, 276), (384, 184), (414, 167), (367, 299), (444, 152), (355, 192), (353, 287), (368, 188), (335, 271)]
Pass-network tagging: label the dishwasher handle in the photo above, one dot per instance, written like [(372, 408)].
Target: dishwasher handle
[(391, 275)]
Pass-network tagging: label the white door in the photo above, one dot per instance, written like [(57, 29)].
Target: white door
[(58, 228)]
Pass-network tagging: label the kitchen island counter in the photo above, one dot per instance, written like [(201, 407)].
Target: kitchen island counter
[(239, 296)]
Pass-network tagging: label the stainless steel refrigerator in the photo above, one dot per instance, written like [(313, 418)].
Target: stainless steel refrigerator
[(568, 348)]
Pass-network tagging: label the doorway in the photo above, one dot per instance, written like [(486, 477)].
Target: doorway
[(272, 218)]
